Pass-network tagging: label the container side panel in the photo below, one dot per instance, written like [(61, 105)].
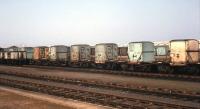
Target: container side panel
[(135, 52), (148, 52), (100, 54), (74, 53), (192, 51), (178, 52)]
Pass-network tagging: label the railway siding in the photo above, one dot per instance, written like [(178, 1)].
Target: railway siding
[(107, 97), (115, 79), (168, 93)]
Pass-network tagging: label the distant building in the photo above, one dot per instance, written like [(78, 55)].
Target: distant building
[(12, 48)]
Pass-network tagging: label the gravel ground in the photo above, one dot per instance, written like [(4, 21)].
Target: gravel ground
[(137, 81), (19, 99)]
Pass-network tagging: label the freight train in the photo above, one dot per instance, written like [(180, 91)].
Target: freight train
[(181, 55)]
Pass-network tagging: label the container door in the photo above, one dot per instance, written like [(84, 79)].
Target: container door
[(83, 53), (42, 53), (135, 52), (88, 53), (100, 54), (109, 52), (47, 53), (115, 54), (199, 52), (178, 52), (161, 51), (75, 53), (53, 53), (192, 51)]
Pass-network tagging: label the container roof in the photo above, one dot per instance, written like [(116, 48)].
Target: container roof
[(59, 46), (182, 40), (80, 45), (106, 44), (141, 42), (41, 47), (13, 47), (25, 47)]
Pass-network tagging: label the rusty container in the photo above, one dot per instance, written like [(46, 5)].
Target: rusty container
[(122, 54), (80, 53), (41, 53), (6, 55), (17, 55), (184, 51), (199, 51), (92, 53), (1, 55), (106, 52), (59, 53)]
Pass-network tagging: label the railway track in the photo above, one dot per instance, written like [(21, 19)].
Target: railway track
[(168, 76), (128, 88), (93, 95)]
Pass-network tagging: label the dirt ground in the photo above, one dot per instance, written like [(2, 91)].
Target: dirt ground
[(137, 81), (17, 99)]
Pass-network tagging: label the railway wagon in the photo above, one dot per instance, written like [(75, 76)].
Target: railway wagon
[(122, 54), (41, 55), (184, 55), (80, 55), (12, 48), (162, 58), (199, 51), (59, 55), (92, 55), (141, 56), (106, 55), (122, 58), (13, 56), (17, 57), (162, 54), (28, 53), (1, 49), (1, 55)]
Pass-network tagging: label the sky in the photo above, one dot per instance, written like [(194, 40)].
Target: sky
[(67, 22)]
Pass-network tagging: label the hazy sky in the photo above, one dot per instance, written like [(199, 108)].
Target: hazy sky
[(49, 22)]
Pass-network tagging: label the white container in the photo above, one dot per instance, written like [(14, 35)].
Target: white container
[(13, 48), (59, 53), (162, 54), (141, 52), (17, 55), (199, 51), (184, 52), (161, 50), (1, 55), (28, 51), (79, 53), (7, 55), (106, 52)]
